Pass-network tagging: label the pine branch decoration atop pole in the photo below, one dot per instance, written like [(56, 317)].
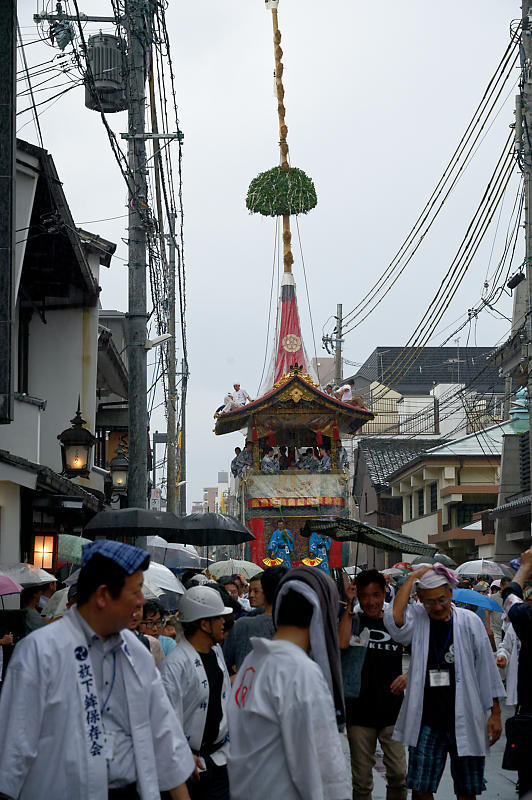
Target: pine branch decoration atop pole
[(283, 190)]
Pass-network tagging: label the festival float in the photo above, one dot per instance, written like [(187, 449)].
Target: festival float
[(292, 413)]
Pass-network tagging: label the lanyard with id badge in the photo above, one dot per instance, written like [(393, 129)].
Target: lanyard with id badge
[(441, 677)]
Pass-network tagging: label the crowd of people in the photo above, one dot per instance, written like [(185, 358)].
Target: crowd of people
[(247, 690)]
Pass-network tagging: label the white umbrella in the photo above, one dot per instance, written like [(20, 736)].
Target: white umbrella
[(26, 574), (174, 554), (392, 572), (150, 590), (480, 566), (154, 577), (57, 604), (234, 567), (162, 577)]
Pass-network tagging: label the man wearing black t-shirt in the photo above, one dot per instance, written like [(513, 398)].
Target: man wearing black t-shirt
[(372, 715), (451, 708)]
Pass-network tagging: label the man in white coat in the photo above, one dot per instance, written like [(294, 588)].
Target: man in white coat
[(451, 705), (282, 721), (83, 709), (197, 683)]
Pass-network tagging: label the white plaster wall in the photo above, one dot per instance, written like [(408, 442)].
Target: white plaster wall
[(421, 527), (62, 365), (452, 415), (486, 551), (22, 436), (9, 522), (410, 405), (26, 184)]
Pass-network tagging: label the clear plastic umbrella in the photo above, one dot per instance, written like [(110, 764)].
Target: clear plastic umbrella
[(174, 554), (26, 574), (234, 567), (352, 570), (150, 589), (482, 566), (162, 577)]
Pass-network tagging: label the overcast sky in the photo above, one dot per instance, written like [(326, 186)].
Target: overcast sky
[(377, 97)]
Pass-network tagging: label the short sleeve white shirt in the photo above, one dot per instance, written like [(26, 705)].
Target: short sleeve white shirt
[(347, 393), (241, 397)]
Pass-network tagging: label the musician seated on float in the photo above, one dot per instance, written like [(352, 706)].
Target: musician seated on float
[(284, 458), (270, 463), (324, 461), (242, 460), (308, 460)]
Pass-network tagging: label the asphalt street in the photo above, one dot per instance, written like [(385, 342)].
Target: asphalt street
[(500, 783)]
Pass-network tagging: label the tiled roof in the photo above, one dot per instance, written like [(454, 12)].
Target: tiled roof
[(521, 504), (384, 456), (432, 365), (46, 477)]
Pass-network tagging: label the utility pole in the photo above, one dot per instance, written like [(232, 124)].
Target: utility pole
[(137, 23), (526, 102), (171, 455), (8, 74), (183, 448), (333, 343), (338, 366), (136, 13)]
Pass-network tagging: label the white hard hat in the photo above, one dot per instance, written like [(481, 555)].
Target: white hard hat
[(202, 602)]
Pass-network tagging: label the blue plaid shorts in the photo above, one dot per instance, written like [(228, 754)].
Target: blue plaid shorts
[(426, 763)]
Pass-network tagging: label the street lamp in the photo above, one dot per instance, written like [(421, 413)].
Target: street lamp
[(118, 467), (76, 445)]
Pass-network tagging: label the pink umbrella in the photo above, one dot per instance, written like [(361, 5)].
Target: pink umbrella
[(9, 586)]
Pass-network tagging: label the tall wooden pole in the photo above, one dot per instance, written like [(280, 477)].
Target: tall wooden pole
[(288, 258)]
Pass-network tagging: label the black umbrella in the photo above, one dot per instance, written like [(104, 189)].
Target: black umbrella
[(441, 557), (209, 530), (132, 522)]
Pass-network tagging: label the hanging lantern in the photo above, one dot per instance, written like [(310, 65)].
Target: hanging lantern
[(119, 467), (76, 445), (43, 552)]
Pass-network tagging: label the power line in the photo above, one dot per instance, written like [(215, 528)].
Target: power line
[(458, 268), (33, 105), (394, 270)]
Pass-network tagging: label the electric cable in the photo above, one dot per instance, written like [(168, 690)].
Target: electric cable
[(466, 251), (470, 130), (308, 299), (275, 252), (33, 105)]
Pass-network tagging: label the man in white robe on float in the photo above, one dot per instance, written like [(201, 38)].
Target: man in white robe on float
[(83, 709), (451, 705)]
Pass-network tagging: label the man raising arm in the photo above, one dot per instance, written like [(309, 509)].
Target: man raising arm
[(451, 704)]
